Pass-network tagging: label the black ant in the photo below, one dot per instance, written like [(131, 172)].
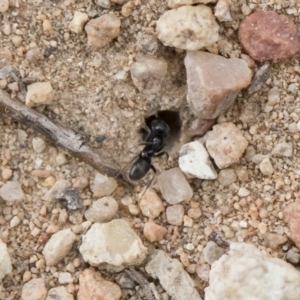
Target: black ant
[(154, 142)]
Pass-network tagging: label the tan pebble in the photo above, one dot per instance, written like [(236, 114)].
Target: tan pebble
[(207, 231), (41, 17), (43, 210), (262, 227), (187, 221), (151, 205), (52, 228), (134, 209), (118, 1), (194, 213), (76, 262), (80, 183), (194, 204), (47, 27), (41, 173), (263, 213), (40, 264), (6, 174), (127, 9), (71, 288), (4, 5), (26, 276), (154, 232), (184, 259), (2, 220), (16, 40), (49, 181), (35, 231)]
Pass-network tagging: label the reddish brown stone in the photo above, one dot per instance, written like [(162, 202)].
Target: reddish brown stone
[(200, 126), (292, 217), (269, 36)]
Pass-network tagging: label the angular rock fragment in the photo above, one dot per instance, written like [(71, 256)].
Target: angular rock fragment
[(154, 232), (226, 144), (195, 162), (266, 35), (148, 73), (101, 31), (214, 82), (222, 11), (200, 126), (175, 214), (151, 205), (5, 261), (195, 28), (59, 293), (174, 187), (212, 252), (292, 216), (39, 93), (34, 289), (170, 271), (93, 286), (11, 191), (114, 243), (78, 21), (247, 273), (283, 149), (103, 185)]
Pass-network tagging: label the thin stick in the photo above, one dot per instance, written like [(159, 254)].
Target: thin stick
[(58, 135)]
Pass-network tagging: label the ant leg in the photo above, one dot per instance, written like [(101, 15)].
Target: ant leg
[(161, 154), (148, 133), (149, 182)]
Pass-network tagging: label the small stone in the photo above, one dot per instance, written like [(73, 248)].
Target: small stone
[(187, 221), (70, 199), (101, 31), (195, 162), (273, 240), (200, 126), (266, 167), (58, 246), (292, 216), (148, 73), (195, 28), (38, 145), (212, 252), (236, 274), (195, 213), (65, 277), (151, 205), (61, 159), (6, 174), (4, 5), (15, 221), (127, 9), (175, 214), (273, 96), (227, 177), (93, 286), (78, 21), (118, 1), (205, 72), (261, 75), (5, 261), (258, 158), (103, 3), (262, 227), (114, 243), (168, 271), (266, 35), (226, 144), (146, 43), (59, 293), (11, 191), (80, 183), (34, 54), (203, 272), (293, 127), (26, 276), (178, 3), (283, 149), (243, 192), (102, 210), (222, 11), (41, 173), (34, 289), (154, 232), (57, 190), (293, 256), (174, 187), (39, 93), (134, 209), (47, 27), (103, 185)]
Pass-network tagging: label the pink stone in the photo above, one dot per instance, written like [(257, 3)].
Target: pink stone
[(34, 289), (265, 35), (154, 232), (292, 217)]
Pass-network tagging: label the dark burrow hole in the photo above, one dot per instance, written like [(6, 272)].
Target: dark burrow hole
[(172, 118)]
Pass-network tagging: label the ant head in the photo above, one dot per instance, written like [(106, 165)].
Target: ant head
[(160, 127)]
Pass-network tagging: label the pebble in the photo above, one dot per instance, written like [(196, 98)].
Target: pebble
[(262, 227), (5, 261), (227, 177), (34, 289), (174, 187), (245, 268), (78, 21), (203, 272), (274, 240), (195, 213), (258, 158), (57, 190), (266, 167), (151, 205), (4, 5), (212, 252), (243, 192), (80, 183), (103, 3), (273, 96), (222, 11), (47, 27), (11, 191), (39, 93), (292, 216), (283, 150), (205, 72), (26, 276), (226, 144), (58, 246), (195, 28), (6, 174), (41, 173), (273, 37), (103, 186), (114, 243), (293, 256), (102, 210), (118, 1), (187, 221), (59, 293), (38, 144), (175, 214), (178, 3), (15, 221), (101, 31), (154, 232), (65, 277), (168, 271), (148, 73), (93, 286), (195, 162), (134, 209), (34, 54), (127, 9), (200, 126)]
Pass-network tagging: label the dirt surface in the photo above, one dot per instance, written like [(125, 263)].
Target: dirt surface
[(91, 101)]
